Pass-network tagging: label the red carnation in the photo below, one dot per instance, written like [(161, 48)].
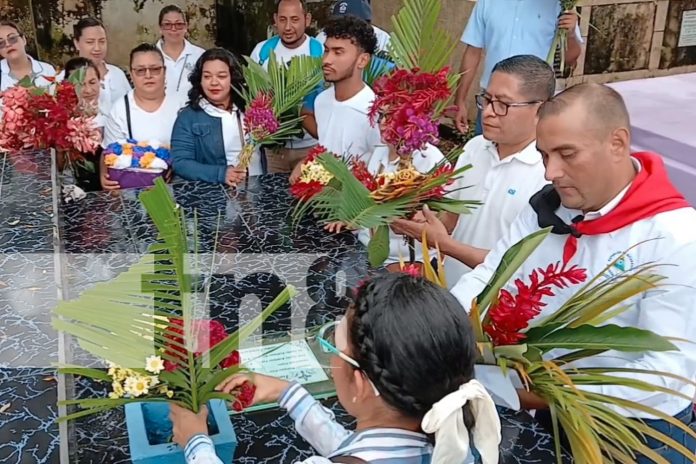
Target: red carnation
[(245, 397)]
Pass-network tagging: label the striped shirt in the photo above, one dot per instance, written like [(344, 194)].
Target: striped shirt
[(318, 426)]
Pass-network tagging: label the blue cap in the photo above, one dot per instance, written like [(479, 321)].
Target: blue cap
[(359, 8)]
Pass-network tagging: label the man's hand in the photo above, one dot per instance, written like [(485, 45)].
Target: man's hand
[(568, 21), (296, 173), (435, 231), (530, 400), (336, 227), (187, 424), (461, 120), (234, 176)]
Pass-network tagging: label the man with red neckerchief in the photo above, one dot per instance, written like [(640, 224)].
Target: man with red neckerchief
[(602, 202)]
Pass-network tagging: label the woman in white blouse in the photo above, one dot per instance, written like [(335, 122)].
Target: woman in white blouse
[(180, 55), (16, 64), (145, 114), (91, 43), (208, 134)]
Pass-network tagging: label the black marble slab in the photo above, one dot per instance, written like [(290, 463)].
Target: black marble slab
[(257, 252)]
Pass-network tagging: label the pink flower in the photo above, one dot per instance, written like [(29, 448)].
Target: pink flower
[(259, 119)]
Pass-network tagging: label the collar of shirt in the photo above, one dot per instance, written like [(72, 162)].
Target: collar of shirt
[(383, 439), (188, 50), (528, 155), (36, 66)]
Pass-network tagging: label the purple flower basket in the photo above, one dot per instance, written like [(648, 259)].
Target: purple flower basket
[(132, 178)]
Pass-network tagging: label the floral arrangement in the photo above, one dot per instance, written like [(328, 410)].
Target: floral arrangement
[(156, 347), (136, 164), (35, 117), (313, 178), (274, 99), (408, 105), (511, 335), (359, 199)]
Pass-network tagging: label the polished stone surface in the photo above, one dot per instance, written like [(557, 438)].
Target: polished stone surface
[(257, 251)]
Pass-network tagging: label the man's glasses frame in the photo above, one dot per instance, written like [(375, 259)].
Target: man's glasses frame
[(500, 108)]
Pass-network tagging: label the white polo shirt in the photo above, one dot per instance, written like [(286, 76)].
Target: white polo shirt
[(39, 69), (424, 161), (178, 70), (113, 86), (670, 310), (503, 186), (344, 127), (146, 126)]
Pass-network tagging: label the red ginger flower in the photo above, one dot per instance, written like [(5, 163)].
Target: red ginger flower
[(304, 191), (512, 313), (208, 334), (361, 173)]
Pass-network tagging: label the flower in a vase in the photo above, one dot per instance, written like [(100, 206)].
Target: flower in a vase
[(154, 364)]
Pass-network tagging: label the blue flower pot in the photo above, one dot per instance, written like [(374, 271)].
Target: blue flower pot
[(150, 432)]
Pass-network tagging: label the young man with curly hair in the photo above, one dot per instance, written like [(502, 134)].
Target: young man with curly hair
[(340, 112)]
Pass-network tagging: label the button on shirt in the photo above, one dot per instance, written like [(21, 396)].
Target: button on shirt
[(506, 28), (669, 310), (503, 186), (179, 70)]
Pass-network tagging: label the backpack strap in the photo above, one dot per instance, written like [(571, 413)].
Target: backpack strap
[(316, 48), (267, 48), (348, 460), (128, 116)]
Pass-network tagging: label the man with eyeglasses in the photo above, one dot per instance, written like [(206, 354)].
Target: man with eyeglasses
[(506, 168), (508, 28)]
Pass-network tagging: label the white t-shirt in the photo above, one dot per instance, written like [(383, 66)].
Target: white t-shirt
[(113, 86), (285, 54), (178, 71), (503, 186), (383, 38), (424, 161), (39, 69), (147, 127), (344, 127), (666, 239)]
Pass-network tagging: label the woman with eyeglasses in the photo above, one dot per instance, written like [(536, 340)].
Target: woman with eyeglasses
[(91, 43), (145, 114), (208, 135), (403, 366), (16, 64), (180, 55)]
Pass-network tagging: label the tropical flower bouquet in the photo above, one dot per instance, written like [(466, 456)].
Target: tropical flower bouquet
[(136, 164), (34, 117), (274, 100), (313, 178), (553, 355), (146, 326)]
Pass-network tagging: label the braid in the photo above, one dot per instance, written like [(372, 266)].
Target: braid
[(388, 384)]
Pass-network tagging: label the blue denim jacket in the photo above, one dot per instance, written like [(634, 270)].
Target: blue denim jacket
[(198, 149)]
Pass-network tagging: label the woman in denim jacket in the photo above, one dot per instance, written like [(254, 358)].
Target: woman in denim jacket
[(208, 135)]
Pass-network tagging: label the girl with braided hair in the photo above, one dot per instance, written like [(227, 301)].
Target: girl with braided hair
[(403, 367)]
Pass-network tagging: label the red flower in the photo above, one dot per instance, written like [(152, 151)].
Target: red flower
[(315, 153), (245, 397), (209, 333), (414, 270), (306, 190), (361, 173), (232, 360), (512, 313)]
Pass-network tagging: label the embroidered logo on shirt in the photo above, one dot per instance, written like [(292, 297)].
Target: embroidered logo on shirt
[(511, 191), (621, 263)]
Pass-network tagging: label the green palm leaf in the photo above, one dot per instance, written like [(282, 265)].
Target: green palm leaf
[(607, 337), (126, 320)]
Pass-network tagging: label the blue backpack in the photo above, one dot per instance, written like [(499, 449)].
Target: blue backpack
[(316, 48)]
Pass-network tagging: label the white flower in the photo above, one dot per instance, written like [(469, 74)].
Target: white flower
[(136, 386), (154, 364)]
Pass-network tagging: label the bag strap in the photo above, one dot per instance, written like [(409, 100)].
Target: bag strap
[(266, 48), (128, 116), (316, 48), (348, 460)]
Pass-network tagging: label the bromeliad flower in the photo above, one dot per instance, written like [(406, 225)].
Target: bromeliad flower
[(259, 120)]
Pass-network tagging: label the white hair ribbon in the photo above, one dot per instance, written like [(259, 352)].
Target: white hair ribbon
[(446, 420)]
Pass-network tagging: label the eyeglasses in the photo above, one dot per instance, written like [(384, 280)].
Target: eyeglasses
[(500, 108), (153, 70), (11, 40), (327, 341), (173, 26)]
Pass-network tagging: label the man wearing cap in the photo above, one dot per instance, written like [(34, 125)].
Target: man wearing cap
[(360, 9)]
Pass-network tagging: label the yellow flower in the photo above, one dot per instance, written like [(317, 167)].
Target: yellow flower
[(147, 159), (136, 386), (170, 394), (162, 389), (117, 390), (110, 160), (154, 364)]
